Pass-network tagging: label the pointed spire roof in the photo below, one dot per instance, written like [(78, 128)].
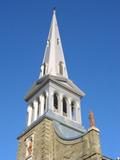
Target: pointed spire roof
[(53, 61)]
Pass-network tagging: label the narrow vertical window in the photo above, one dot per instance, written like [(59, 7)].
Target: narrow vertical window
[(64, 107), (73, 111), (55, 102), (38, 111), (61, 68), (44, 102), (58, 41), (44, 69), (29, 147)]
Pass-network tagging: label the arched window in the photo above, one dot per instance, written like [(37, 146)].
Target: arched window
[(61, 69), (73, 111), (56, 102), (64, 107)]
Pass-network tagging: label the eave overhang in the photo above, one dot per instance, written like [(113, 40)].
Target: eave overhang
[(60, 81)]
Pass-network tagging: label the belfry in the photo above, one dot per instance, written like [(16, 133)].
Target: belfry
[(54, 128)]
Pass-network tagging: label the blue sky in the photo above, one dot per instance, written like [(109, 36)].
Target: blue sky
[(90, 32)]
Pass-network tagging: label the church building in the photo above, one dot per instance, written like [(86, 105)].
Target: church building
[(54, 128)]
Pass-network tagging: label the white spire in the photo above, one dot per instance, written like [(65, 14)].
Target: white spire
[(54, 62)]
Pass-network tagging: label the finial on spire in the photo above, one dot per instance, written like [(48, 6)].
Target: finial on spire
[(92, 119), (54, 10)]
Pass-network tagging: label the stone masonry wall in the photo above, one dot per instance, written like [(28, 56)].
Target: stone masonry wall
[(48, 146)]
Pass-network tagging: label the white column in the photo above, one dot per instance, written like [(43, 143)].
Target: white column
[(51, 101), (39, 107), (29, 115), (60, 104), (35, 105), (46, 107), (77, 110), (69, 112), (46, 68), (42, 100), (42, 67)]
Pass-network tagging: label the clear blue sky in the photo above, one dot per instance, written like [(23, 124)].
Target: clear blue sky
[(90, 32)]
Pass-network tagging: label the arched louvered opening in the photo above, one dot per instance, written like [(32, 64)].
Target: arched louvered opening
[(45, 99), (55, 102), (64, 107), (73, 111), (61, 68)]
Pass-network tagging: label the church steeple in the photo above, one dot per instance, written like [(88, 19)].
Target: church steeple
[(54, 128), (54, 95), (53, 61)]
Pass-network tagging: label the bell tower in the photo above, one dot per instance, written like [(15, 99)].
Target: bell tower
[(54, 94), (54, 128)]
